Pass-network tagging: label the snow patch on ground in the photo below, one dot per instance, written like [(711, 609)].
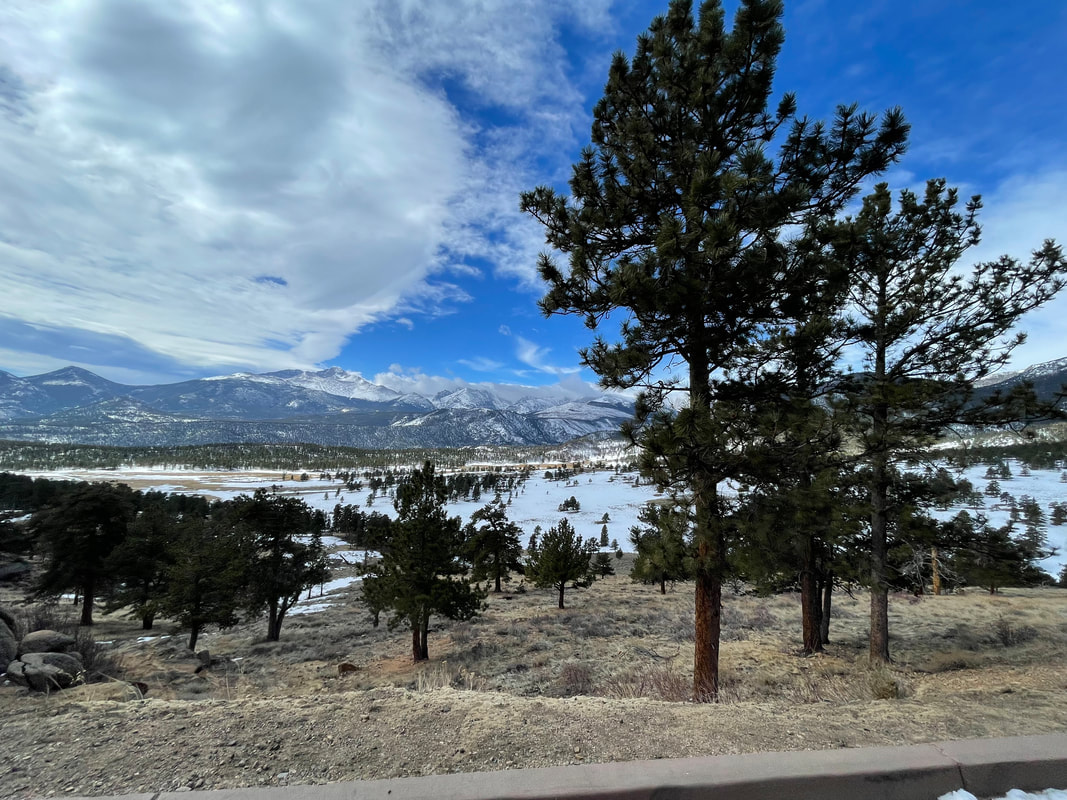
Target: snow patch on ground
[(319, 600), (1043, 485), (1014, 794)]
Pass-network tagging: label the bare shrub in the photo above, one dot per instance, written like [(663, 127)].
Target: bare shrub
[(574, 679), (966, 637), (461, 634), (952, 660), (99, 661), (884, 685), (759, 619), (810, 688), (656, 683), (445, 676), (1009, 634), (47, 616)]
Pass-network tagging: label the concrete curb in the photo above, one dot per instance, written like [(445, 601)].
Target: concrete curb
[(984, 767)]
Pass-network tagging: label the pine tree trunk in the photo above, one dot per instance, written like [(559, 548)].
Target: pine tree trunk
[(663, 585), (274, 624), (146, 622), (810, 600), (561, 588), (416, 643), (194, 634), (88, 595), (827, 597), (425, 652), (879, 641), (706, 636), (711, 553), (936, 565)]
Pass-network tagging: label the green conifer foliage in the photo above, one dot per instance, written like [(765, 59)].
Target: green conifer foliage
[(926, 333), (493, 544), (662, 547), (205, 581), (674, 225), (559, 557), (422, 570), (284, 553), (78, 532)]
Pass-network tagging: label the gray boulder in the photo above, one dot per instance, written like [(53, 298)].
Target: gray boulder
[(45, 642), (7, 618), (46, 672), (9, 646)]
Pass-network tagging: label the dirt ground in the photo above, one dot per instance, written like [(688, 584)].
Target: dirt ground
[(529, 685)]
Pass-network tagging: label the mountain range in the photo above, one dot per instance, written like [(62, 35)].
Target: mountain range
[(331, 406)]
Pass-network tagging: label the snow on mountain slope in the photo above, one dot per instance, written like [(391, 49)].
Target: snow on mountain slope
[(330, 406), (339, 382)]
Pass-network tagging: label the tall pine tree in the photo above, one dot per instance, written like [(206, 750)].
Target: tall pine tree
[(925, 332), (674, 224)]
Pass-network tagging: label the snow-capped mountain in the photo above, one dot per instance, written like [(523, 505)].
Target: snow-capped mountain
[(338, 382), (1048, 379), (332, 406)]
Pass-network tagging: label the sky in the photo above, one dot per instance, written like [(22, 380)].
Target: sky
[(195, 188)]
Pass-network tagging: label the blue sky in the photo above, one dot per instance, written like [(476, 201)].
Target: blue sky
[(199, 188)]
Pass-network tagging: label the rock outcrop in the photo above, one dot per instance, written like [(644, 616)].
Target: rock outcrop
[(41, 661), (46, 641), (46, 672)]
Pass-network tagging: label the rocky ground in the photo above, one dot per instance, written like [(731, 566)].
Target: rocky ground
[(528, 685)]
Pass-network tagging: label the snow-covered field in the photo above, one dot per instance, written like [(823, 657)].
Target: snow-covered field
[(1042, 485), (1014, 794), (536, 503)]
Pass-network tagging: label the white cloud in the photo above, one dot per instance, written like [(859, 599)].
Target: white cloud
[(534, 355), (1016, 218), (414, 380), (481, 364), (245, 185)]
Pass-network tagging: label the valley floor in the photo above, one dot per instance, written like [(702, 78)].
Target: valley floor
[(528, 685)]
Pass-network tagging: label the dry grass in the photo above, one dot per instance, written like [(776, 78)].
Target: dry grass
[(529, 685), (615, 639)]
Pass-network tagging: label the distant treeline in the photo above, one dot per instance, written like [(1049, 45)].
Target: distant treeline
[(1035, 455), (42, 456)]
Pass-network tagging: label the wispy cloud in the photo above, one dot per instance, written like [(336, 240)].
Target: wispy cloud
[(481, 364), (1017, 218), (534, 355)]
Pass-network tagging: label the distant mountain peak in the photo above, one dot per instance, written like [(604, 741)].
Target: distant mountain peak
[(328, 406)]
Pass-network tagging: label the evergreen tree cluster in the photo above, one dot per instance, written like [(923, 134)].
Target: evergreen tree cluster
[(813, 354), (170, 555)]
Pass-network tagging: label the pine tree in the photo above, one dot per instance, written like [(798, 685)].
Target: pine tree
[(675, 220), (494, 548), (663, 553), (560, 557), (284, 553), (140, 563), (422, 570), (602, 565), (206, 579), (926, 334), (78, 533)]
